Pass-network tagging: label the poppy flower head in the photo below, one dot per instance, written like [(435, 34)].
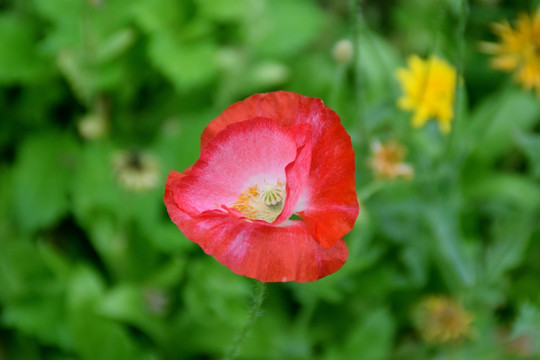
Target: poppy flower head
[(263, 160)]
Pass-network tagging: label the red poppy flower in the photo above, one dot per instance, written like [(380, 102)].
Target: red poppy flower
[(262, 161)]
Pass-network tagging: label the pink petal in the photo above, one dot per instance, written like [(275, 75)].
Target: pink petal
[(297, 172), (239, 157)]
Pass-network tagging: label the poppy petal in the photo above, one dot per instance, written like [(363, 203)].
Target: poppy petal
[(260, 251), (330, 206), (297, 173)]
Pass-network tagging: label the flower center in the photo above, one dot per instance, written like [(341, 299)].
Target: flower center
[(264, 203)]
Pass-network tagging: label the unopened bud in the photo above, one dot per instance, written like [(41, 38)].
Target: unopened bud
[(92, 126), (271, 73), (343, 51)]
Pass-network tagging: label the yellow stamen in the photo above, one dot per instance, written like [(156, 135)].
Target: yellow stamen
[(261, 204)]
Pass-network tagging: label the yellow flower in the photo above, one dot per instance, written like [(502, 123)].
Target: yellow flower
[(441, 319), (387, 160), (429, 90), (518, 50)]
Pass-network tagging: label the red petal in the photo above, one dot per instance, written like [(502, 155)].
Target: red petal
[(330, 207), (260, 251), (297, 172), (286, 108), (239, 156)]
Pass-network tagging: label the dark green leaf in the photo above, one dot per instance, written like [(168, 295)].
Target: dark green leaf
[(41, 178), (530, 145)]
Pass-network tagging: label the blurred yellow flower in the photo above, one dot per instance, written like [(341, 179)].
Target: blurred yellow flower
[(429, 90), (387, 160), (518, 50), (441, 319)]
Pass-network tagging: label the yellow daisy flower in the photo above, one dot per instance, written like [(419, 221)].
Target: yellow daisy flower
[(387, 160), (440, 319), (518, 50), (429, 90)]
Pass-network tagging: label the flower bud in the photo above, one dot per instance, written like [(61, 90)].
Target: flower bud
[(92, 126), (343, 51)]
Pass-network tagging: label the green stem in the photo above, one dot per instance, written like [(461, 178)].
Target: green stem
[(358, 23), (254, 312), (336, 86), (306, 313), (460, 91)]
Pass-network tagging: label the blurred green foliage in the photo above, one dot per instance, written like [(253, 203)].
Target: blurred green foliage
[(92, 269)]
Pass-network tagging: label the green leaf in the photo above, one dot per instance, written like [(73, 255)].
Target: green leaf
[(530, 145), (186, 65), (415, 259), (370, 339), (96, 337), (41, 178), (20, 268), (131, 304), (20, 61), (527, 324), (81, 25), (126, 228), (31, 299), (42, 316), (6, 196), (94, 186), (97, 190), (449, 252), (302, 79), (226, 10), (282, 28), (54, 261), (67, 30), (377, 62), (512, 234), (510, 188), (115, 45), (499, 117), (19, 347), (84, 37), (159, 15), (330, 289), (206, 279), (60, 11), (169, 274), (165, 236)]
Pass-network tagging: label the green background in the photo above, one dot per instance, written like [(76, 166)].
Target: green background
[(91, 270)]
